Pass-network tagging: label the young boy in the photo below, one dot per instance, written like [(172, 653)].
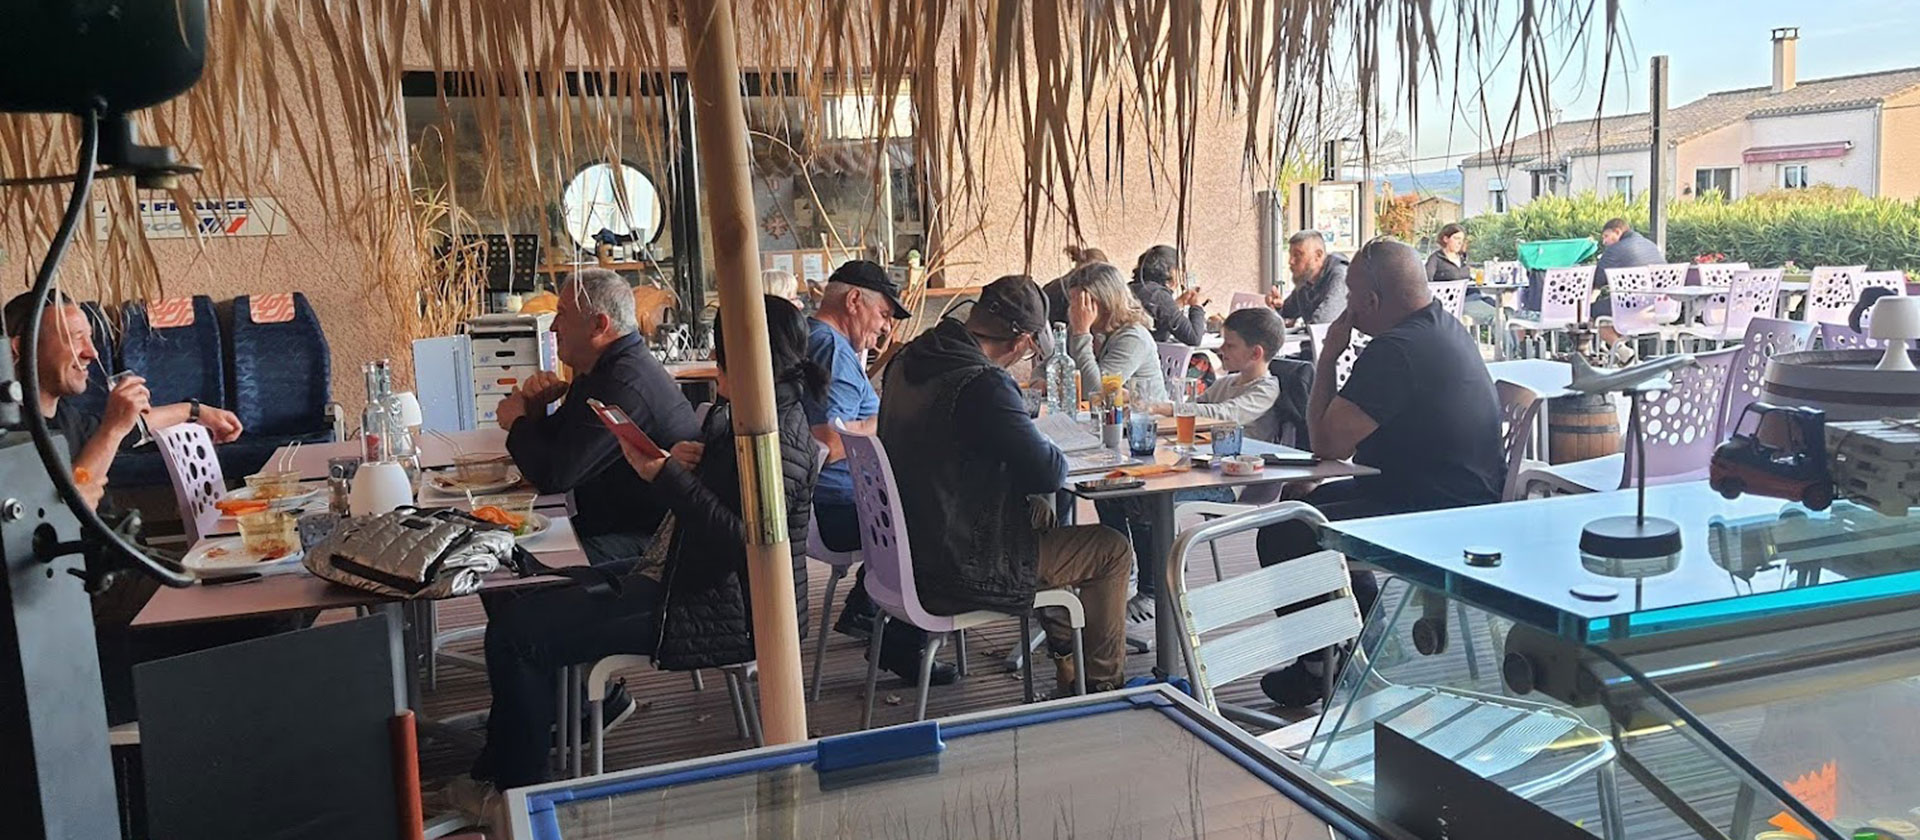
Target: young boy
[(1246, 396), (1250, 338)]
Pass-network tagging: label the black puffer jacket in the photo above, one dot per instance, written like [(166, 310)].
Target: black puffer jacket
[(705, 619)]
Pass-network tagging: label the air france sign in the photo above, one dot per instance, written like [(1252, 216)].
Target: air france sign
[(211, 218)]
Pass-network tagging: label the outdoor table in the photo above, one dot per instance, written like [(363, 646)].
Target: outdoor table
[(1689, 297), (1775, 649), (1028, 771), (693, 371), (310, 460), (1158, 492)]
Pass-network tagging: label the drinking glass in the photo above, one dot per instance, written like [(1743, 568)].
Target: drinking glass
[(1185, 397), (1227, 439), (140, 424), (1143, 434)]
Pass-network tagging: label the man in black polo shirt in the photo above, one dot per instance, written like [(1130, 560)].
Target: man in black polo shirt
[(1419, 407), (570, 450)]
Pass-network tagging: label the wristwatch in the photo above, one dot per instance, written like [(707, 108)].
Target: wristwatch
[(193, 411)]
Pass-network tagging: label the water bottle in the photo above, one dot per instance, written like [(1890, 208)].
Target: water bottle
[(376, 445), (1063, 378)]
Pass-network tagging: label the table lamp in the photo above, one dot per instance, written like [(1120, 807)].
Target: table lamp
[(1896, 318), (409, 406), (1638, 537)]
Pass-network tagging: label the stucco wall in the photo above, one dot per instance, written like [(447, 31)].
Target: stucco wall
[(1900, 147), (1594, 172), (1474, 181), (1720, 147), (1854, 169)]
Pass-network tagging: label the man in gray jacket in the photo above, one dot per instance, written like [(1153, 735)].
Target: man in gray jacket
[(1319, 282)]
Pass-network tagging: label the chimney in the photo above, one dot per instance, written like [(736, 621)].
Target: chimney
[(1784, 39)]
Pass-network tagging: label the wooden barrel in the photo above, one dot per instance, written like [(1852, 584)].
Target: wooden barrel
[(1582, 426), (1843, 383)]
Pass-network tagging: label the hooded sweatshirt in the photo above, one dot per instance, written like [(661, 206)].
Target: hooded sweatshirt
[(965, 456), (1324, 300)]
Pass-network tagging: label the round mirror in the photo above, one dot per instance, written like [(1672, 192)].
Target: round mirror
[(628, 210)]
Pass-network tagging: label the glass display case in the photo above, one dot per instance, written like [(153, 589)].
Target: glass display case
[(1759, 684), (1140, 763)]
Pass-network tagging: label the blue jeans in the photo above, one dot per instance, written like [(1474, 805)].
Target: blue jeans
[(1128, 516)]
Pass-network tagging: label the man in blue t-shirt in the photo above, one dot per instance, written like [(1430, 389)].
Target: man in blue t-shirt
[(858, 308)]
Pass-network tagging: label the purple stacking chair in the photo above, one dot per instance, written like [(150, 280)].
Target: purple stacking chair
[(1831, 293), (889, 559), (1566, 294), (1750, 294), (1766, 337), (1843, 337), (187, 451), (1682, 428)]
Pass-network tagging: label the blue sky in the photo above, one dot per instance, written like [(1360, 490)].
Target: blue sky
[(1711, 46)]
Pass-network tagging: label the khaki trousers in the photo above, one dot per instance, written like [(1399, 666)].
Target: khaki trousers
[(1093, 559)]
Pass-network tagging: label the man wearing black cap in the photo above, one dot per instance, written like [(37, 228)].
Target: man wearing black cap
[(860, 304), (966, 457)]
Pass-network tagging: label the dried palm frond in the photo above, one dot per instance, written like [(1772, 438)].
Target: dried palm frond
[(308, 91)]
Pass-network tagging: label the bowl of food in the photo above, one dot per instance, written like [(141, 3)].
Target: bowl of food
[(1241, 465), (511, 510), (476, 469), (267, 486), (269, 535)]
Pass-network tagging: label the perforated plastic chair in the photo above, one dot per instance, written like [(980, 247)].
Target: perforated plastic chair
[(890, 579), (188, 452), (1228, 631), (1343, 367), (1682, 428), (1174, 359), (839, 562), (1766, 338), (1750, 294), (1564, 300), (1452, 295), (1893, 280), (1844, 337), (1245, 300), (1519, 407), (1831, 293)]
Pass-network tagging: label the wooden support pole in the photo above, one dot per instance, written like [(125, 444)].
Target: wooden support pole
[(721, 123)]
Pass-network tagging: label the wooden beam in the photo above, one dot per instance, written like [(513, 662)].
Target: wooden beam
[(721, 123)]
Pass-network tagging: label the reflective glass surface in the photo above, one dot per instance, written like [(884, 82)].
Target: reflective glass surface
[(1740, 559)]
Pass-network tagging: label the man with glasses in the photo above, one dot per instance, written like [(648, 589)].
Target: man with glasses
[(967, 459)]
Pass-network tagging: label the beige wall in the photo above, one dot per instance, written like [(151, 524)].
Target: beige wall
[(1720, 147), (1900, 147)]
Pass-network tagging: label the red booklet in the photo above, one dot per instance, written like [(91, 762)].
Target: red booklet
[(623, 428)]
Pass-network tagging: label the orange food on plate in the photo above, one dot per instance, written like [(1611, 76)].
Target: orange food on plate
[(499, 516), (241, 507)]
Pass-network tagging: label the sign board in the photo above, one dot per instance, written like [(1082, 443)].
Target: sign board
[(1335, 212), (212, 218)]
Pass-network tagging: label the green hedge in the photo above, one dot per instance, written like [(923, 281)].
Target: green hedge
[(1820, 226)]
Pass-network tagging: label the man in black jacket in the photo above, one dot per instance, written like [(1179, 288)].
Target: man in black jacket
[(1319, 282), (1175, 318), (570, 450), (967, 456)]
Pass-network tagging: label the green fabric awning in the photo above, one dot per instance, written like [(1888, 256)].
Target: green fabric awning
[(1556, 253)]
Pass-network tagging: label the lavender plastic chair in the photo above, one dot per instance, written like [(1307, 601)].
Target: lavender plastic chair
[(889, 559), (1563, 302), (1750, 294), (1174, 359), (1682, 427), (1343, 368), (839, 562), (1519, 408), (1245, 300), (1843, 337), (1894, 280), (1766, 337), (187, 450), (1452, 295), (1713, 310), (1635, 309), (1831, 294)]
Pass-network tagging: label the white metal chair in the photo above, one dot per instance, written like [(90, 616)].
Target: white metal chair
[(1564, 300), (187, 451), (1682, 428), (1228, 631), (1750, 295), (1831, 294), (890, 579), (1452, 295)]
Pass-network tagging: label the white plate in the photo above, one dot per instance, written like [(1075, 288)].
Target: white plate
[(229, 555), (537, 524), (443, 483), (294, 502)]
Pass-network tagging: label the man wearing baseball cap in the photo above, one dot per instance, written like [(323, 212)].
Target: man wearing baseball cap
[(966, 457), (859, 306)]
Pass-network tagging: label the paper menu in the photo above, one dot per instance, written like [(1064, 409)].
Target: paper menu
[(1067, 433)]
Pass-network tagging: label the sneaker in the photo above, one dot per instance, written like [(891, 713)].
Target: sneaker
[(907, 668), (1140, 607), (616, 707), (855, 624), (1293, 687)]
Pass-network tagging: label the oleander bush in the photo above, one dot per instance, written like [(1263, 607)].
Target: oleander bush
[(1817, 226)]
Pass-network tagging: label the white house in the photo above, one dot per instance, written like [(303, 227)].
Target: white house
[(1860, 131)]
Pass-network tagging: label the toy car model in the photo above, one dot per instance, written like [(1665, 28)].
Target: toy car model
[(1782, 453)]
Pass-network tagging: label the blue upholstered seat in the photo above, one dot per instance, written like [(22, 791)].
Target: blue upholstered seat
[(179, 364), (282, 382)]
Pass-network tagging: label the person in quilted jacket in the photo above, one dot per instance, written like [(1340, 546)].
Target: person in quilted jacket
[(685, 602)]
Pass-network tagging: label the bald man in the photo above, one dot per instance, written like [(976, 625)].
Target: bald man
[(1419, 407)]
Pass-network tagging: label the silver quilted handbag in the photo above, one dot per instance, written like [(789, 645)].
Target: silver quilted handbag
[(411, 553)]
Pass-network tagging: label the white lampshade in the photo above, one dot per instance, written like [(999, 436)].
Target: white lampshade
[(1896, 318), (409, 409), (378, 488)]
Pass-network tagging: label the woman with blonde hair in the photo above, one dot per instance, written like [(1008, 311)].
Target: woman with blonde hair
[(1107, 333), (780, 283)]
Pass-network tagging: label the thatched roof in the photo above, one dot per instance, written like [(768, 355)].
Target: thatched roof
[(308, 88)]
